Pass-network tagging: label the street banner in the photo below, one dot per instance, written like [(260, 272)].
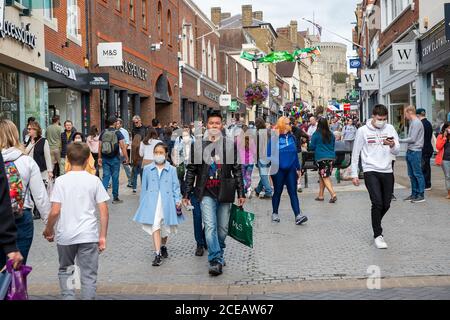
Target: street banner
[(109, 54), (370, 80), (355, 63), (404, 56)]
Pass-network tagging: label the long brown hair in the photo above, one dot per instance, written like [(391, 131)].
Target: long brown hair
[(151, 134), (135, 145)]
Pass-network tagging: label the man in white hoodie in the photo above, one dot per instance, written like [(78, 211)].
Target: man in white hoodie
[(376, 142)]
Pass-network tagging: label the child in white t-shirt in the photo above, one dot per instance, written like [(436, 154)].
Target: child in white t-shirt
[(74, 199)]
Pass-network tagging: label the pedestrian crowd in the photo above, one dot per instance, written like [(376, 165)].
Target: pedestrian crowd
[(201, 169)]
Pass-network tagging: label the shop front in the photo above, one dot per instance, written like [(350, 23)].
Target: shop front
[(434, 66), (22, 53), (397, 89), (68, 94), (199, 96)]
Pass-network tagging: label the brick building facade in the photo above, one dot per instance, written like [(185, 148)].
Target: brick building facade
[(147, 82)]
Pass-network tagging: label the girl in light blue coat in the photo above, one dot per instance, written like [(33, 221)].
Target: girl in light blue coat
[(160, 205)]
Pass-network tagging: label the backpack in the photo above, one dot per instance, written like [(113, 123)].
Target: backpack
[(109, 143), (16, 190)]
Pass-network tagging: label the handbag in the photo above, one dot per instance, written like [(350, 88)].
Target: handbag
[(18, 286), (240, 226)]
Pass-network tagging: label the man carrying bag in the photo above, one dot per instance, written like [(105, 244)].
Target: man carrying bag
[(218, 181)]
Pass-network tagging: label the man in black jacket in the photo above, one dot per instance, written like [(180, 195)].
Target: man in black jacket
[(138, 128), (216, 179), (8, 230), (427, 150)]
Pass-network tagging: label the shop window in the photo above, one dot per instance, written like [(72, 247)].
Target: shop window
[(9, 95), (33, 100), (67, 104), (392, 9)]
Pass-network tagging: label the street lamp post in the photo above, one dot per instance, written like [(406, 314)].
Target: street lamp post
[(256, 67), (294, 92)]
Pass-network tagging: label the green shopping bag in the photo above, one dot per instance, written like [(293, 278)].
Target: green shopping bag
[(240, 226)]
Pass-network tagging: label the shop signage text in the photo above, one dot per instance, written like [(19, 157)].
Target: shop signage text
[(404, 56), (434, 46), (19, 34), (225, 100), (370, 80), (109, 54), (95, 80), (355, 63), (212, 96), (134, 70), (69, 73)]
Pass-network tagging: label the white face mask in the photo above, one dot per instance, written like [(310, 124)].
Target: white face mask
[(78, 140), (186, 139), (160, 159), (380, 123)]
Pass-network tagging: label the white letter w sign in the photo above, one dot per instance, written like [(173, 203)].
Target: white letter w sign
[(404, 56)]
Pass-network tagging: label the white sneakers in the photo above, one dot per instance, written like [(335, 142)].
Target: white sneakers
[(248, 195), (380, 243)]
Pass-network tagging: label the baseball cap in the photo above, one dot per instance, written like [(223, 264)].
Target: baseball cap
[(421, 111)]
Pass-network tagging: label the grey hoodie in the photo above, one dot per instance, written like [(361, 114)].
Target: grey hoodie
[(375, 156), (416, 137), (32, 180)]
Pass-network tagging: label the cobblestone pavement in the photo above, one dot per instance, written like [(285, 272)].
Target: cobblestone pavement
[(336, 243)]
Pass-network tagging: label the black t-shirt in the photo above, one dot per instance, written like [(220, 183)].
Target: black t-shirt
[(212, 187)]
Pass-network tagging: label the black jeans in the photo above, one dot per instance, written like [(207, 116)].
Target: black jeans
[(380, 186), (426, 168)]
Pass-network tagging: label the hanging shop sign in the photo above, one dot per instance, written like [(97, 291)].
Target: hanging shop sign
[(355, 63), (404, 56), (109, 54), (96, 80), (370, 80), (225, 100), (20, 34)]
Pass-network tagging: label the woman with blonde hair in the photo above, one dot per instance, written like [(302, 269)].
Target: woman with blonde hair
[(285, 169), (28, 182)]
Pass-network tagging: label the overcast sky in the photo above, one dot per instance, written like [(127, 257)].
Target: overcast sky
[(334, 15)]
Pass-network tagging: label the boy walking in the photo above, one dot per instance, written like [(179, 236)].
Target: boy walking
[(74, 198)]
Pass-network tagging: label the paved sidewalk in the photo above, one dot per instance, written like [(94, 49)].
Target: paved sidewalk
[(334, 251)]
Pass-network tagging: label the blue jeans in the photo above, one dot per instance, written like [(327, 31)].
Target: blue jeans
[(137, 170), (111, 168), (198, 222), (25, 231), (216, 217), (288, 178), (414, 162), (264, 179)]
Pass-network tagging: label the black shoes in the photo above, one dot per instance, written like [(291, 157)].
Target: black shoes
[(117, 201), (215, 269), (299, 220), (164, 252), (199, 251), (157, 261)]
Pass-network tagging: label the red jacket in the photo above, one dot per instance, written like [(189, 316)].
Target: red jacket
[(440, 143)]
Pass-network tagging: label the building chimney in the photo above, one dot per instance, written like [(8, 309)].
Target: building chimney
[(247, 15), (293, 31), (226, 15), (216, 15), (258, 15)]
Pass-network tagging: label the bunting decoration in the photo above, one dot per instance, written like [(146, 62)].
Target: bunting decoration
[(281, 56)]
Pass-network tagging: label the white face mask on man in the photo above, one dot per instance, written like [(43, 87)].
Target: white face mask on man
[(380, 123), (186, 139)]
